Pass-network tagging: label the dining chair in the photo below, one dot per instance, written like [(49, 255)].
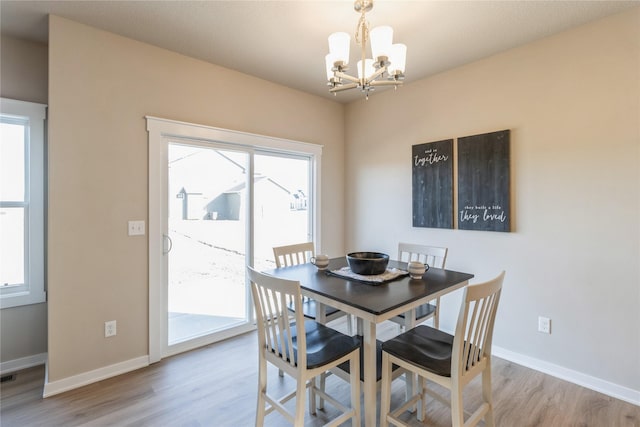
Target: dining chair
[(433, 256), (451, 361), (304, 349), (301, 253)]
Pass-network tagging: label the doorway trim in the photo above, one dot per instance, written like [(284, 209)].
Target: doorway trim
[(158, 130)]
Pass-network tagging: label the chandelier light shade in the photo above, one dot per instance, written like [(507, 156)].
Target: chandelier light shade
[(397, 59), (385, 68), (367, 70), (339, 44), (381, 39), (329, 63)]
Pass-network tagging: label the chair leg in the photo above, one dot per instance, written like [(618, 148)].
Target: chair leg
[(457, 410), (323, 381), (411, 389), (385, 390), (354, 366), (436, 315), (486, 394), (422, 404), (400, 329), (312, 395), (349, 325), (262, 389), (300, 402)]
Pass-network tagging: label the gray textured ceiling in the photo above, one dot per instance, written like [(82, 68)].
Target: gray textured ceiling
[(286, 41)]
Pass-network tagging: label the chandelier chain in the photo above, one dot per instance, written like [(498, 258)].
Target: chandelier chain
[(362, 30)]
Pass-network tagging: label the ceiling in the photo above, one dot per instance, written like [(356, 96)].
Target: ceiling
[(286, 41)]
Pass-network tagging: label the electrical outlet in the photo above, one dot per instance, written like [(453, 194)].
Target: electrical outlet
[(110, 328), (544, 325), (136, 228)]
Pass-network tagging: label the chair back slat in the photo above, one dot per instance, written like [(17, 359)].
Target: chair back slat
[(474, 331), (432, 255), (269, 316), (275, 330), (477, 332), (289, 255)]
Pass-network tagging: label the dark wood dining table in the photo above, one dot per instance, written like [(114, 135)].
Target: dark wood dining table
[(371, 304)]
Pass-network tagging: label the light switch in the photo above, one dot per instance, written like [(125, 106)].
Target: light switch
[(136, 228)]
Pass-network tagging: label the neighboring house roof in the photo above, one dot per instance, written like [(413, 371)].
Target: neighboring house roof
[(218, 183), (241, 186)]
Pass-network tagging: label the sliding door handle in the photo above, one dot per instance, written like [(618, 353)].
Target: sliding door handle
[(168, 244)]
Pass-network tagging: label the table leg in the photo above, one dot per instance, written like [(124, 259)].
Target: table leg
[(321, 313), (370, 380)]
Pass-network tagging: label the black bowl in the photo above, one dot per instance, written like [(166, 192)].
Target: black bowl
[(368, 263)]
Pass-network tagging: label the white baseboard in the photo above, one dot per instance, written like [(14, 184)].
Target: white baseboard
[(69, 383), (22, 363), (610, 389)]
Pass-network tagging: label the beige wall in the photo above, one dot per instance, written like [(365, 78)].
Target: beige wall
[(23, 76), (101, 86), (572, 104), (23, 70)]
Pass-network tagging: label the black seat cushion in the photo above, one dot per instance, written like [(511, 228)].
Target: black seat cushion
[(309, 308), (423, 311), (424, 347), (324, 345)]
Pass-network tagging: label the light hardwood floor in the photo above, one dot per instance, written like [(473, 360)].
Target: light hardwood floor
[(216, 386)]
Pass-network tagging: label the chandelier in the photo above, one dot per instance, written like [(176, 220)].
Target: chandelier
[(385, 69)]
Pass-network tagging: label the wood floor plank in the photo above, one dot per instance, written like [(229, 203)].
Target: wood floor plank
[(217, 386)]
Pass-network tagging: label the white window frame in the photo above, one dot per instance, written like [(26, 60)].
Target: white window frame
[(33, 290)]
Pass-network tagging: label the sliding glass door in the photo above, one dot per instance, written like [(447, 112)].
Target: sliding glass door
[(207, 229), (223, 206)]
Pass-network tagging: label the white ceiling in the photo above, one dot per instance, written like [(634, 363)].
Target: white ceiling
[(286, 41)]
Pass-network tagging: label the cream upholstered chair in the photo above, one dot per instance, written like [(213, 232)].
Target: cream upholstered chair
[(304, 349), (450, 361), (434, 257), (301, 253)]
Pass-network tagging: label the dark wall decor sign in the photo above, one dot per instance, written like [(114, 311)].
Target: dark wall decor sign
[(483, 182), (432, 187)]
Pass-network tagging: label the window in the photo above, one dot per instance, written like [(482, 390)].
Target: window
[(21, 203)]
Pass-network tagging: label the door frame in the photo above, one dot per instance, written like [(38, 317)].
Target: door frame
[(159, 130)]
